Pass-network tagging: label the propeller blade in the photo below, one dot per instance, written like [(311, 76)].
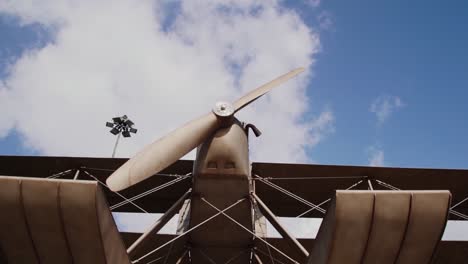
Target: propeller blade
[(257, 93), (163, 152)]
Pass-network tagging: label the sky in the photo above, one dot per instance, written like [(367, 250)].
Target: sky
[(386, 82), (385, 85)]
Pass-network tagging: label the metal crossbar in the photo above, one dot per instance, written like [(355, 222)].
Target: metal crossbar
[(57, 175), (290, 194), (314, 208), (461, 215), (249, 231), (265, 254), (190, 230), (462, 201), (150, 191), (388, 186), (327, 200), (121, 196), (126, 200), (154, 260)]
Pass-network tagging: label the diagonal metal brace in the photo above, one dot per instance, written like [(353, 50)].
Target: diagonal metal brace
[(155, 189), (249, 231), (290, 194), (190, 230), (274, 221), (160, 223)]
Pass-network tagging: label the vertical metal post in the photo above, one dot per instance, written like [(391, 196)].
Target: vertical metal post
[(116, 143)]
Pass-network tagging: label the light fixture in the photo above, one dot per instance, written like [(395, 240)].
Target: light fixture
[(121, 125), (126, 133)]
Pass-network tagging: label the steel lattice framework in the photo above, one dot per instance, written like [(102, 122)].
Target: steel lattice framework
[(289, 190)]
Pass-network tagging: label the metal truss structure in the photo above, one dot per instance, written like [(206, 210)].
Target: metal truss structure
[(280, 190)]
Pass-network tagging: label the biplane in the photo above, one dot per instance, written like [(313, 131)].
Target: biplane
[(59, 209)]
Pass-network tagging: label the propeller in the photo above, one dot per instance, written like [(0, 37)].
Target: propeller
[(170, 148)]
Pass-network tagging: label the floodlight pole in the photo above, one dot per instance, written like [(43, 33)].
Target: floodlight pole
[(116, 143), (121, 126)]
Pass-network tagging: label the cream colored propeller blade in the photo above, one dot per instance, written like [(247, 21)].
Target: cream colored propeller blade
[(257, 93), (163, 152)]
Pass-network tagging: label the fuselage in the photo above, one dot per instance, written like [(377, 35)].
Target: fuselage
[(222, 177)]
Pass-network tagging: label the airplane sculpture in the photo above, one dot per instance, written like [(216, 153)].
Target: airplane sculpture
[(221, 173), (220, 215)]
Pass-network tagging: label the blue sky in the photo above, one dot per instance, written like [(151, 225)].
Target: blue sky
[(415, 50), (410, 51)]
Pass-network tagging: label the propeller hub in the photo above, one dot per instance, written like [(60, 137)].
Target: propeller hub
[(223, 109)]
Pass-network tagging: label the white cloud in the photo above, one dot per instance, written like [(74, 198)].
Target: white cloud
[(108, 58), (325, 20), (376, 156), (321, 126), (383, 106), (314, 3)]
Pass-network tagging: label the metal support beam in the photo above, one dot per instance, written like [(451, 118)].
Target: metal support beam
[(369, 184), (190, 230), (326, 201), (257, 258), (155, 189), (181, 258), (259, 220), (273, 260), (160, 223), (462, 201), (276, 224), (184, 218), (120, 195), (56, 175), (290, 194), (250, 231), (77, 173)]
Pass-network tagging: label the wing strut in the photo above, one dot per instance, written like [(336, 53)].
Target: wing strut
[(276, 224), (148, 235)]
